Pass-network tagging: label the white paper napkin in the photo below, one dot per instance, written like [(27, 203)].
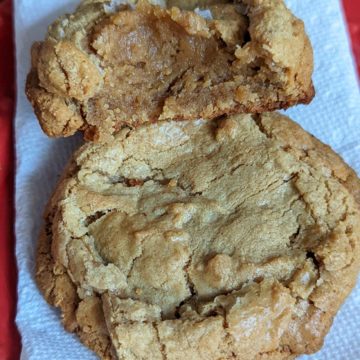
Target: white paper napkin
[(333, 116)]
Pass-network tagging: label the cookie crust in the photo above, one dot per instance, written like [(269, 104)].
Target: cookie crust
[(103, 67), (128, 246)]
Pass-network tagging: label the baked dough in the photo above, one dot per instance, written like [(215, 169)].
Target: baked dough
[(105, 66), (231, 239)]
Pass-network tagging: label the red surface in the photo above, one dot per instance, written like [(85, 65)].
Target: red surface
[(352, 11), (9, 339)]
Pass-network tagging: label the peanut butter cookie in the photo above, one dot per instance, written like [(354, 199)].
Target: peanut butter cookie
[(108, 66), (236, 238)]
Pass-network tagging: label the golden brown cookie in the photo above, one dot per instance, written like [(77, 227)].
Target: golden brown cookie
[(232, 239), (105, 67)]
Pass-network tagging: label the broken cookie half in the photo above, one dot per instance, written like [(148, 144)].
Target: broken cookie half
[(107, 66)]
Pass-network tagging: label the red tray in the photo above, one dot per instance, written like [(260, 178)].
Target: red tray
[(9, 338)]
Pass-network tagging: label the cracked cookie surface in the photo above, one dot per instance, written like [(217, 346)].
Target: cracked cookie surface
[(231, 239), (106, 67)]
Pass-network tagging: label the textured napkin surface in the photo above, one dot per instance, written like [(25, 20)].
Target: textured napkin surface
[(333, 116)]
